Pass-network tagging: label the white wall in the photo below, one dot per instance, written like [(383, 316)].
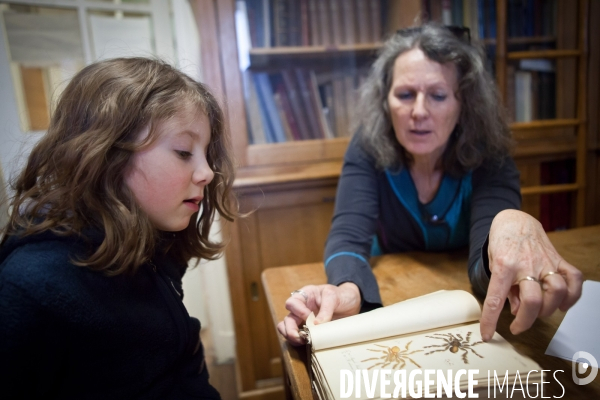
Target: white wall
[(14, 145)]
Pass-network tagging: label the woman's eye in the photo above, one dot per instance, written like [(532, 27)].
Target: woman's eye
[(184, 155), (439, 97), (404, 95)]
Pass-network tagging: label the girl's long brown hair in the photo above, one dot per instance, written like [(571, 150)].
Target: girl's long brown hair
[(73, 179)]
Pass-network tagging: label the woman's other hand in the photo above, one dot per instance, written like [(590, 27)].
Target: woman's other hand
[(519, 250), (326, 301)]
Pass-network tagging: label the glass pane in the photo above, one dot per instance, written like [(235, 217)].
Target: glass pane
[(302, 63), (121, 34), (45, 50)]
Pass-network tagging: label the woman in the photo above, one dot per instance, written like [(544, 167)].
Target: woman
[(430, 170)]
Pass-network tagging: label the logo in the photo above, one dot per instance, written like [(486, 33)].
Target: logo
[(582, 361)]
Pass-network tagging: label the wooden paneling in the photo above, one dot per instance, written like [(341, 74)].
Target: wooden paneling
[(34, 89), (288, 222)]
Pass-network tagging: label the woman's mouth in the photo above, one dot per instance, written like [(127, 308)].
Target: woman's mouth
[(419, 131)]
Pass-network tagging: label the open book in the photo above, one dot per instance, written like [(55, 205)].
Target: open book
[(429, 344)]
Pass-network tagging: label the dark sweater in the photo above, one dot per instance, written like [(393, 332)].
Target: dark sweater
[(67, 332), (371, 202)]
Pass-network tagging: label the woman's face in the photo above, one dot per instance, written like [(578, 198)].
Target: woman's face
[(423, 105)]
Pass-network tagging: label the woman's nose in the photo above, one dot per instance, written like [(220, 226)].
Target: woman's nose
[(419, 109)]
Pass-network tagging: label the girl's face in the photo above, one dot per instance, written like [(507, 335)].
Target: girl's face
[(168, 176), (422, 103)]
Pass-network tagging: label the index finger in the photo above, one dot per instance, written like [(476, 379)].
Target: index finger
[(493, 304), (329, 302)]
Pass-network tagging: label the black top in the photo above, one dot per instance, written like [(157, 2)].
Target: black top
[(371, 202), (67, 332)]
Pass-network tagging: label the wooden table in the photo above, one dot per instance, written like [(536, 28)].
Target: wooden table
[(403, 276)]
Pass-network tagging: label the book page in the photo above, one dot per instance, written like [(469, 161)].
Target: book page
[(454, 348), (438, 309)]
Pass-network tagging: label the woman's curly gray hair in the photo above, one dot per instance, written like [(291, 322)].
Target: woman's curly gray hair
[(481, 133)]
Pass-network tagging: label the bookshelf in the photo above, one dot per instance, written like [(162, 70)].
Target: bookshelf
[(563, 134), (289, 187)]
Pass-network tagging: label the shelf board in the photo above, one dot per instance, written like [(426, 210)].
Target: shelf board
[(523, 40), (314, 50), (545, 123), (519, 55), (296, 151), (545, 189), (250, 177)]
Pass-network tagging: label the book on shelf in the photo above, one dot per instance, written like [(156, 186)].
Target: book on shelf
[(295, 101), (555, 208), (523, 96), (412, 343), (337, 23), (309, 104), (286, 108), (314, 22), (324, 127), (256, 130), (349, 21), (363, 21), (375, 21), (281, 23), (275, 132)]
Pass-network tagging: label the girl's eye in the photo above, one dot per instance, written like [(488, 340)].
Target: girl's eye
[(184, 155), (439, 97)]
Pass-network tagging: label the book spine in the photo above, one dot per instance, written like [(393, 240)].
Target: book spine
[(351, 100), (287, 130), (318, 103), (328, 108), (266, 122), (256, 131), (375, 14), (348, 8), (295, 102), (313, 18), (435, 13), (265, 91), (325, 23), (339, 107), (266, 23), (304, 25), (523, 101), (308, 104), (457, 12), (287, 110), (336, 22), (447, 12), (363, 21)]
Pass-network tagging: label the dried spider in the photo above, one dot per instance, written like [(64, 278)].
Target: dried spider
[(391, 355), (454, 343)]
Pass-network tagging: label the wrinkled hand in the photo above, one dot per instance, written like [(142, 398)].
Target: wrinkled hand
[(326, 301), (518, 247)]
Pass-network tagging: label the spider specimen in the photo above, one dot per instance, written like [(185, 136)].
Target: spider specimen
[(454, 343), (393, 355)]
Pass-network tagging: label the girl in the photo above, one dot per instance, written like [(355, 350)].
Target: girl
[(114, 201)]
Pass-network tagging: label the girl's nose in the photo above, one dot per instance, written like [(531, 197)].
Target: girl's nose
[(203, 174)]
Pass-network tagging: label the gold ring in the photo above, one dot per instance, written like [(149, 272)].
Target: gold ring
[(528, 278), (300, 292), (549, 273)]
